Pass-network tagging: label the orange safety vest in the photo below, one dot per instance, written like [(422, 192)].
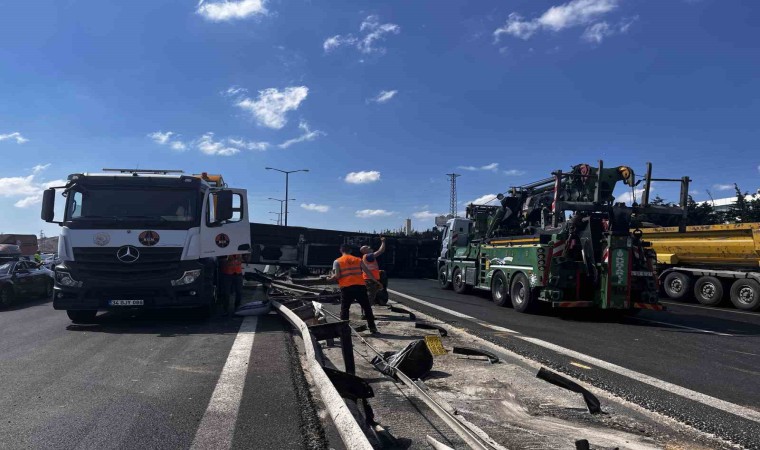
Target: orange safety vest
[(350, 271), (373, 267), (232, 265)]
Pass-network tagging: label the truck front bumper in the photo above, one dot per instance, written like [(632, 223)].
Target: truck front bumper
[(155, 293)]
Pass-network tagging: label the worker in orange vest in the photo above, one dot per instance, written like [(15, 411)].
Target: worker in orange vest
[(347, 270), (370, 260), (231, 268)]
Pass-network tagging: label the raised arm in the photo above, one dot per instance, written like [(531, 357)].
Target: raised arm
[(381, 250)]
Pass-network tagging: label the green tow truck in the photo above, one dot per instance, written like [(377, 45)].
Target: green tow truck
[(562, 241)]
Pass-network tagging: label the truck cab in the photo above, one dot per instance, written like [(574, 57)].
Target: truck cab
[(146, 239)]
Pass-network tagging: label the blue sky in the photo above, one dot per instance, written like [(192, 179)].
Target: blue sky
[(378, 100)]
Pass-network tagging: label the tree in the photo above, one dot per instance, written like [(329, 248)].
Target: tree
[(701, 213)]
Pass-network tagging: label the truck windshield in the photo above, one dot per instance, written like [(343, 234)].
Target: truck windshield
[(111, 207)]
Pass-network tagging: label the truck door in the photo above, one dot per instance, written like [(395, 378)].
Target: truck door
[(228, 237)]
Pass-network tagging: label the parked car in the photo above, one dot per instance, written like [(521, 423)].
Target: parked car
[(24, 279)]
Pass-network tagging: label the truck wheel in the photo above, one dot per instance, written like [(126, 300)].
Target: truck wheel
[(86, 316), (499, 289), (460, 287), (745, 294), (522, 294), (6, 297), (443, 279), (708, 291), (676, 285)]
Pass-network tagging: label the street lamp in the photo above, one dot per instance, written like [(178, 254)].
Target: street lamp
[(279, 216), (287, 174), (281, 202)]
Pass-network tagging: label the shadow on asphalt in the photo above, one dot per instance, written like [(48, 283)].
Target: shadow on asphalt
[(163, 323), (26, 303)]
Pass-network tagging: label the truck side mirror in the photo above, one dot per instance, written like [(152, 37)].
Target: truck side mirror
[(48, 205), (223, 205)]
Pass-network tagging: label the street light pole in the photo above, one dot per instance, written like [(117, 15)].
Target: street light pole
[(281, 202), (287, 178)]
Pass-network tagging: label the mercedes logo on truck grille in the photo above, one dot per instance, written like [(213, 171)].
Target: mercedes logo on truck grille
[(127, 254)]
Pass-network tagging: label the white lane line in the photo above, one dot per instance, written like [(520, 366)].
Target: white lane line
[(710, 308), (452, 312), (218, 424), (705, 399), (683, 326)]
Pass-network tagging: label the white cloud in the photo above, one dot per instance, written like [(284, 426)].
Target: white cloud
[(40, 167), (514, 172), (249, 145), (483, 200), (597, 32), (315, 207), (368, 213), (272, 105), (207, 145), (308, 135), (425, 215), (28, 187), (363, 177), (723, 187), (161, 138), (223, 11), (371, 31), (493, 167), (384, 96), (758, 168), (15, 135), (628, 196), (232, 91), (557, 18)]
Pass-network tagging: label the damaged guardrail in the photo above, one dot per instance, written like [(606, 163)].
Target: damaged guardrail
[(350, 431)]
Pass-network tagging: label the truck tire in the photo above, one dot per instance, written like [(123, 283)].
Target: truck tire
[(708, 291), (676, 285), (522, 294), (745, 294), (460, 287), (86, 316), (442, 278), (499, 289)]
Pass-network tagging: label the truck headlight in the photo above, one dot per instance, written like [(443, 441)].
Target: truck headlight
[(187, 278), (65, 279)]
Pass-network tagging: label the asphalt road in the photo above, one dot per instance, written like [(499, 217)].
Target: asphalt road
[(711, 351), (146, 382)]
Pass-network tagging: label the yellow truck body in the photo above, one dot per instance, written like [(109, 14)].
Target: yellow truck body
[(710, 262), (731, 245)]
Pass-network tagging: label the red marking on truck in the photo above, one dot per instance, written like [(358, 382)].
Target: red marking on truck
[(583, 304), (651, 306)]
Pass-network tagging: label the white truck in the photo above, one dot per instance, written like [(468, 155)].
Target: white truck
[(143, 239)]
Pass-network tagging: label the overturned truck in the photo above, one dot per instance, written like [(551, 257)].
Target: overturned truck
[(562, 241)]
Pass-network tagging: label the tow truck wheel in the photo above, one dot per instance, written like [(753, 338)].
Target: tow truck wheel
[(86, 316), (676, 285), (708, 291), (460, 287), (443, 279), (6, 296), (745, 294), (499, 289), (522, 295)]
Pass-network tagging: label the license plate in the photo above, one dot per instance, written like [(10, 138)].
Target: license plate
[(126, 302)]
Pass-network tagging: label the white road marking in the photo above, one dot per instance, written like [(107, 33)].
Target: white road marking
[(453, 313), (710, 308), (683, 326), (218, 424), (704, 399)]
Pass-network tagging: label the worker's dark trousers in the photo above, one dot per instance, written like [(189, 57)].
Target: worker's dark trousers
[(356, 293), (232, 284)]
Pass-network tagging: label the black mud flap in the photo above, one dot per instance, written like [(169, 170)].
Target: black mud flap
[(415, 361)]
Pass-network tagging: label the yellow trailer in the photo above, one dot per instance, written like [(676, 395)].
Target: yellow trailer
[(710, 260)]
